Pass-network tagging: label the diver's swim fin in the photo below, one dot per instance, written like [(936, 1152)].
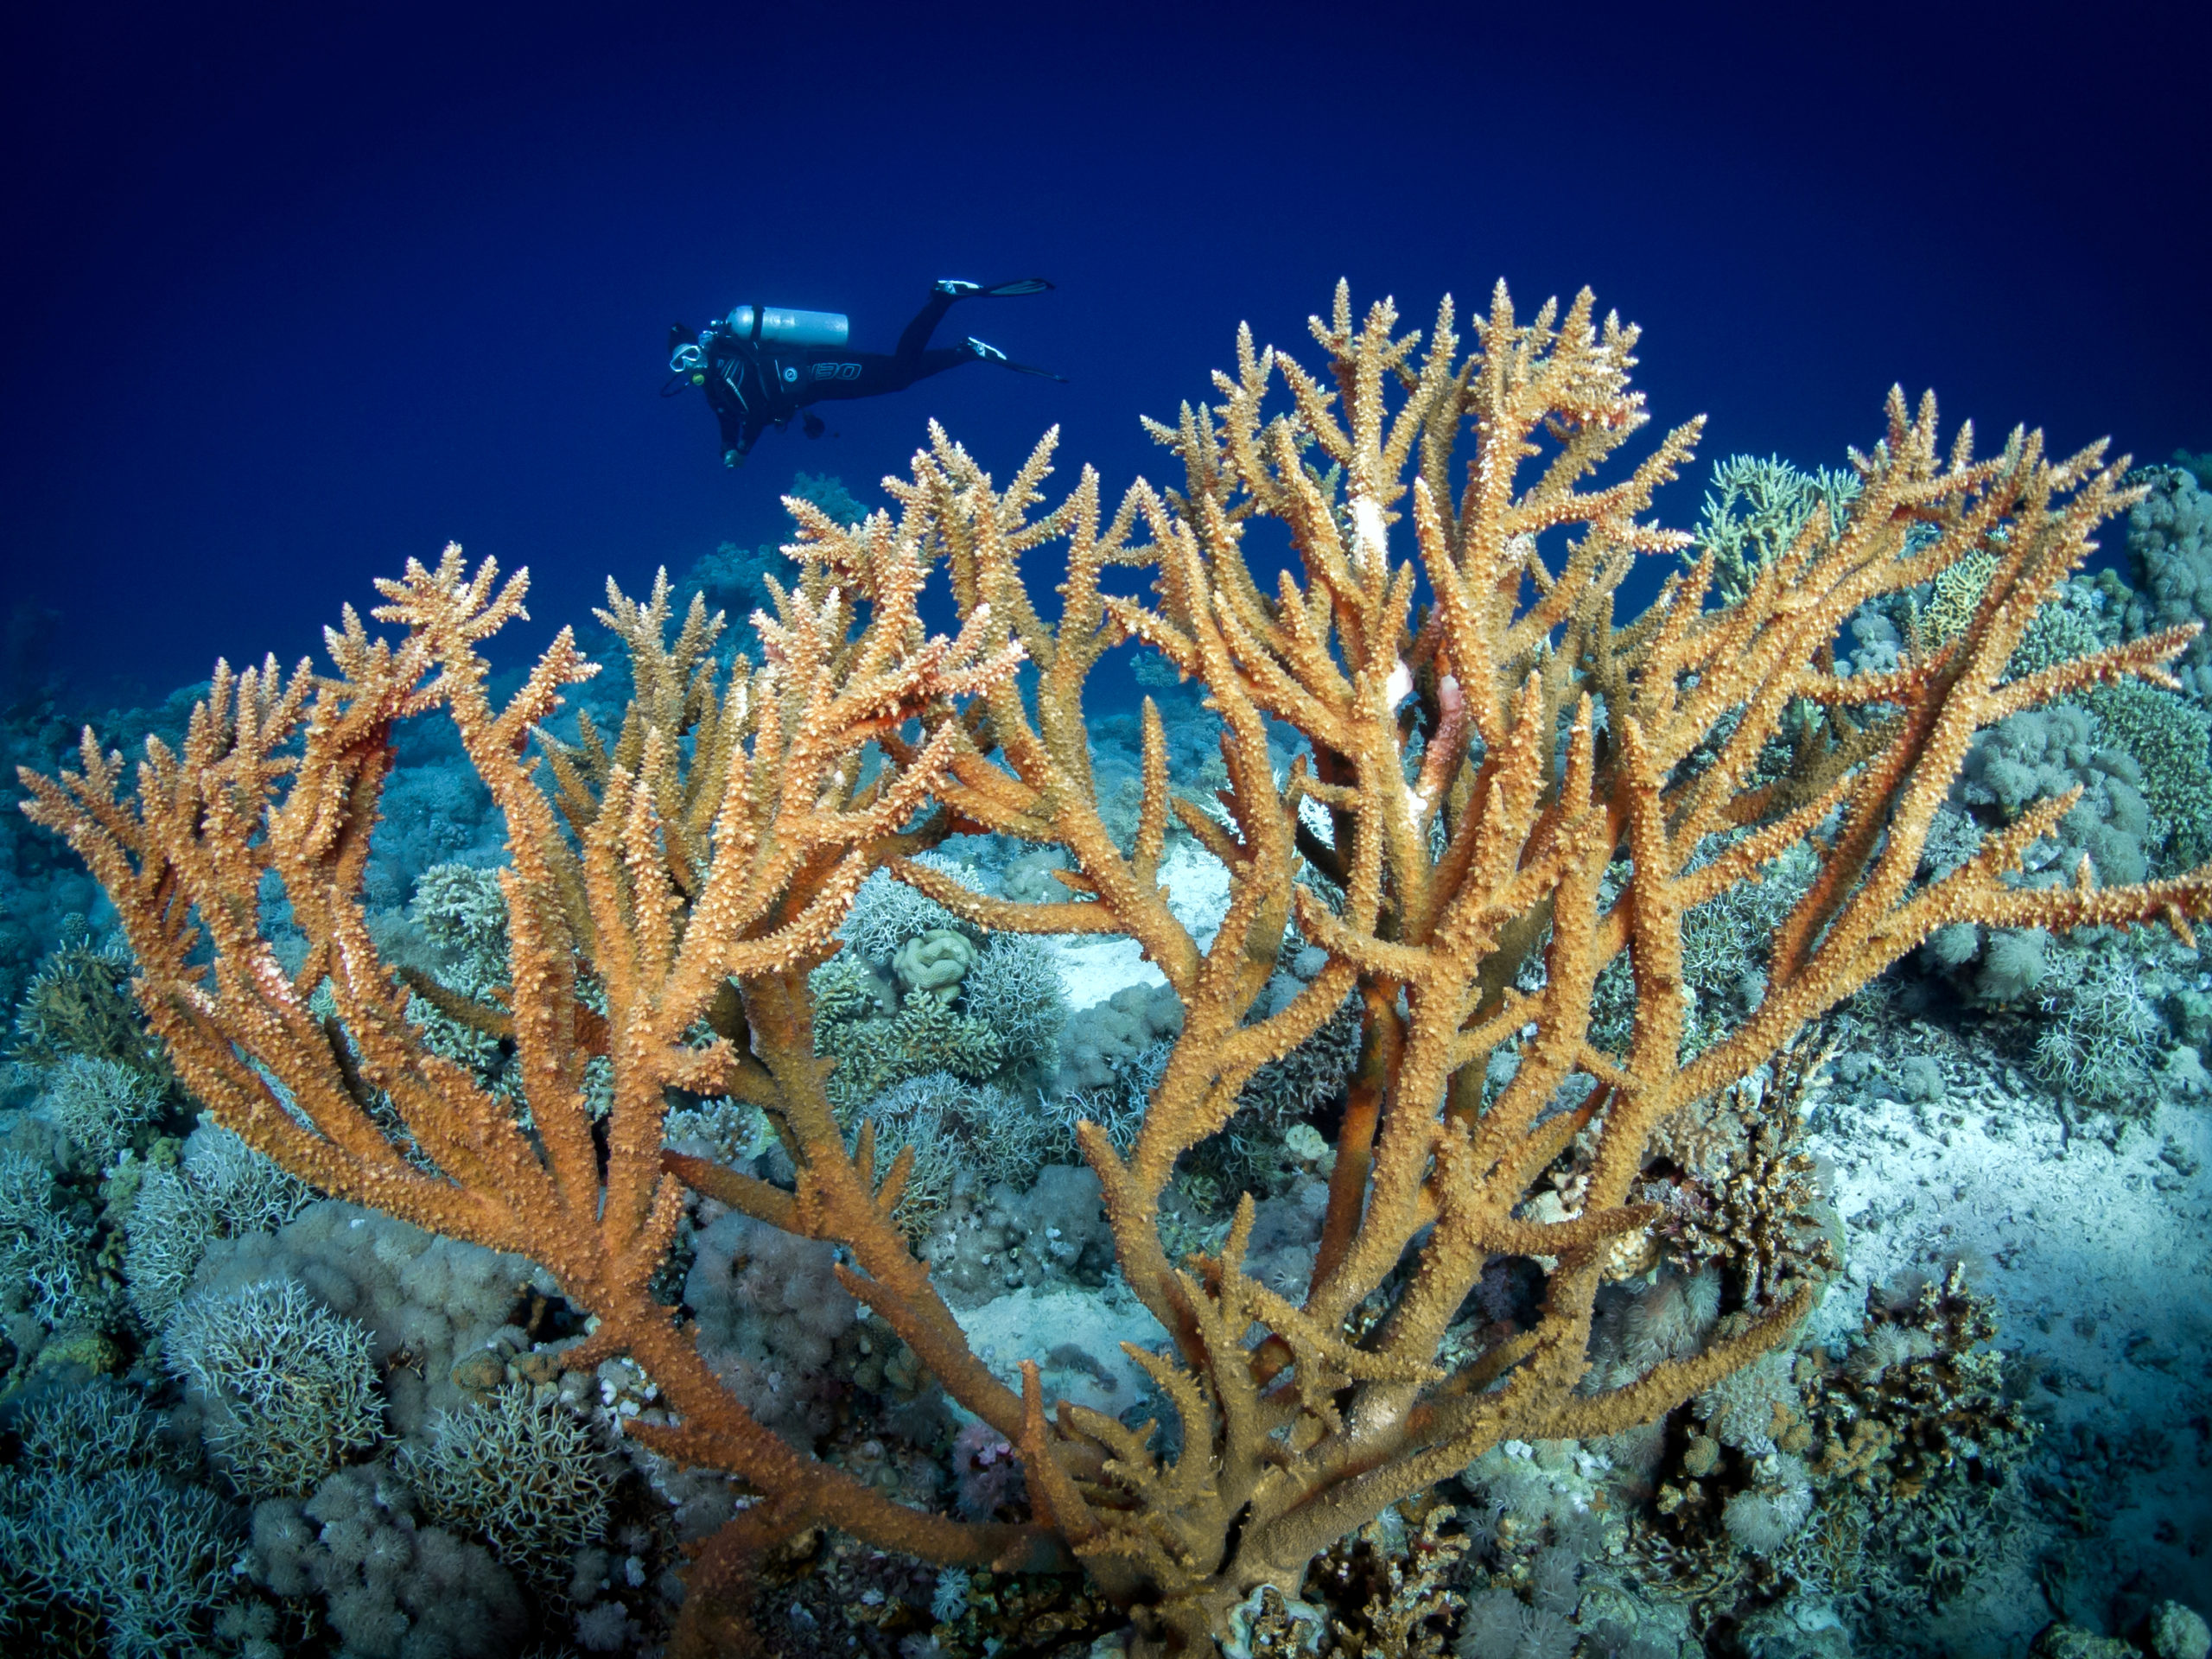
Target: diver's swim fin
[(965, 290), (988, 353)]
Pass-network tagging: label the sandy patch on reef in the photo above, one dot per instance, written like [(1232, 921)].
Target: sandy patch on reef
[(1076, 1337), (2099, 1250), (1092, 968), (2098, 1247)]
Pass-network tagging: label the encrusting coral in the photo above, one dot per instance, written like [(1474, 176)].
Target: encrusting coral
[(1505, 791)]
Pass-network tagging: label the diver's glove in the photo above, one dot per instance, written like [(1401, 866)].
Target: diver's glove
[(731, 458)]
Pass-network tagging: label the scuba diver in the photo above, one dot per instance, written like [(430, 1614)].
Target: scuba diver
[(762, 365)]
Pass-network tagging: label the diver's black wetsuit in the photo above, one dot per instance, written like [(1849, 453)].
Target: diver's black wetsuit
[(753, 384)]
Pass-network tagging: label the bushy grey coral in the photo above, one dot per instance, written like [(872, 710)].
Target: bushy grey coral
[(219, 1188), (887, 912), (462, 908), (459, 918), (46, 1250), (2104, 1035), (102, 1426), (285, 1389), (1014, 987), (425, 1301), (92, 1513), (524, 1475), (100, 1104), (953, 1125)]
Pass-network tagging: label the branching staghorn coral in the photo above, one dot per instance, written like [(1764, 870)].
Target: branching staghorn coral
[(1508, 789)]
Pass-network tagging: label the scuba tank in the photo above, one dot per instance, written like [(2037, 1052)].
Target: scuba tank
[(785, 326)]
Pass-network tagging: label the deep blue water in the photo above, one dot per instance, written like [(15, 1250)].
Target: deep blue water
[(294, 295)]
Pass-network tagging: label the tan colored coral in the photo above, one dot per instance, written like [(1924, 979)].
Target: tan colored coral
[(1507, 790)]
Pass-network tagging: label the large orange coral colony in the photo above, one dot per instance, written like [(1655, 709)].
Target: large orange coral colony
[(1506, 789)]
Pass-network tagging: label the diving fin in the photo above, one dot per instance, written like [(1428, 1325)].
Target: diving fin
[(966, 291), (989, 353)]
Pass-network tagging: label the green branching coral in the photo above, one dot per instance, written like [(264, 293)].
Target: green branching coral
[(927, 1036), (1754, 510), (78, 1002), (874, 1052), (2169, 737), (845, 990)]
